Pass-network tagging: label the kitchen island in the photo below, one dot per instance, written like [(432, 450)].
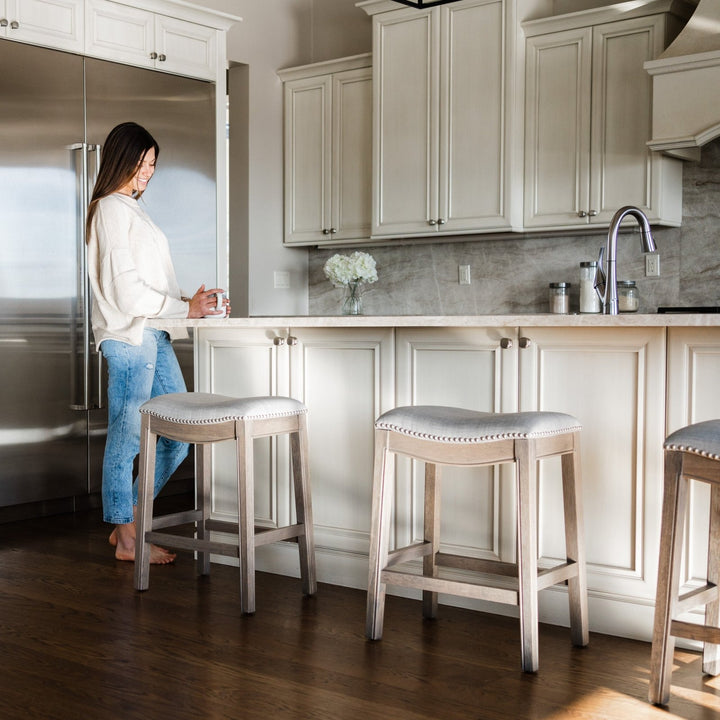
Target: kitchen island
[(631, 379)]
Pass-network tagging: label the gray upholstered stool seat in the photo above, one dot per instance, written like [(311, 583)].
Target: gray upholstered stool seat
[(691, 453), (439, 436), (203, 419)]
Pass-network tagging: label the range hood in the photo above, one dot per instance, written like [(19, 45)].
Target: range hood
[(686, 79)]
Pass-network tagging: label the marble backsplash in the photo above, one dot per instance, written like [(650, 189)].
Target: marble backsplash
[(511, 275)]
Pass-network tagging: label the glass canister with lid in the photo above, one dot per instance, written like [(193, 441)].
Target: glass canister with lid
[(628, 296), (589, 299), (559, 298)]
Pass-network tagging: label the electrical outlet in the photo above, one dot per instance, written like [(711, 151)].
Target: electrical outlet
[(281, 279), (652, 264), (464, 275)]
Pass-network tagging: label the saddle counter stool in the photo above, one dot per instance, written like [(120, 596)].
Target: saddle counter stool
[(205, 418), (691, 453), (453, 436)]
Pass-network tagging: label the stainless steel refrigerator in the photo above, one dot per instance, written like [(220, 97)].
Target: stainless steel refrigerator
[(56, 109)]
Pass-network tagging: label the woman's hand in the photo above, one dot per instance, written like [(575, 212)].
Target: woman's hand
[(203, 303)]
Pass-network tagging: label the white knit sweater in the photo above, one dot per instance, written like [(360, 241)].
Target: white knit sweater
[(131, 273)]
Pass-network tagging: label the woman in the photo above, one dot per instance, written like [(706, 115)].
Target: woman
[(133, 279)]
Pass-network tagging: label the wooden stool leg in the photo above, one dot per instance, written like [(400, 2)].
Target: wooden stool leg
[(379, 535), (203, 502), (246, 515), (526, 474), (711, 651), (146, 490), (303, 505), (431, 534), (671, 541), (575, 545)]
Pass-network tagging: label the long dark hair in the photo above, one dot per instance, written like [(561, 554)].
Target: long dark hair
[(124, 149)]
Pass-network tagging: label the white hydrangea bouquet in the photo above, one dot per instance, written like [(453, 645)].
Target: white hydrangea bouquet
[(351, 272)]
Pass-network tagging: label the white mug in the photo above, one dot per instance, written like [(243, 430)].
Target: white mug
[(219, 305)]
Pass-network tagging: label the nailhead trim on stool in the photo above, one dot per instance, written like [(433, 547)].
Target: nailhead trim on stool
[(440, 435), (691, 453), (203, 419)]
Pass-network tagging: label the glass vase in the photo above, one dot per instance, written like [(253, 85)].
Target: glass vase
[(352, 300)]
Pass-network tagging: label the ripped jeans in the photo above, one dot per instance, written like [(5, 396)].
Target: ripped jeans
[(136, 374)]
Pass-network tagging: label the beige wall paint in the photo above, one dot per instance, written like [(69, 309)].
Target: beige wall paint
[(275, 34)]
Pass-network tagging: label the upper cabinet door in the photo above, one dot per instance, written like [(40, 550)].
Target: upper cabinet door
[(406, 106), (186, 48), (56, 23), (557, 128), (472, 177), (624, 170)]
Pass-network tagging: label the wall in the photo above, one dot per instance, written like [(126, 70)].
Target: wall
[(512, 275), (274, 34)]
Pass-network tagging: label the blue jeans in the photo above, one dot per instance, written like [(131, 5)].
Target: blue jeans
[(136, 374)]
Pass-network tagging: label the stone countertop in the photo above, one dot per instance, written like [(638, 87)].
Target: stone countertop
[(529, 320)]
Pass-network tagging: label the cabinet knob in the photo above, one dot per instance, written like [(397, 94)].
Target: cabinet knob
[(525, 342), (3, 22), (582, 213), (593, 213), (14, 25), (279, 341), (432, 222), (153, 56), (292, 340), (441, 221), (506, 343), (161, 58), (326, 231), (333, 230)]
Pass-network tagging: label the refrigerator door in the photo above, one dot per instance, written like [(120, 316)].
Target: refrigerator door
[(43, 441)]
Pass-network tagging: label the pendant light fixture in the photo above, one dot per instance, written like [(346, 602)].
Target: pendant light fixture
[(424, 3)]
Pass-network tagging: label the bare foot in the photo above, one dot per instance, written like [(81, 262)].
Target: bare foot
[(123, 539)]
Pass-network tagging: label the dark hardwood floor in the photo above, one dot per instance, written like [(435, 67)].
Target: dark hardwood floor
[(78, 642)]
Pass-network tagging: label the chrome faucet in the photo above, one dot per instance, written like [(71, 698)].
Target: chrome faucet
[(606, 277)]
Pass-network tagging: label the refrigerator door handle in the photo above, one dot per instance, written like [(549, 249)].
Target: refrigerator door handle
[(80, 380), (98, 399)]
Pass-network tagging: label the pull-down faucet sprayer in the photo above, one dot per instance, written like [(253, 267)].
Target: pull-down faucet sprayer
[(606, 278)]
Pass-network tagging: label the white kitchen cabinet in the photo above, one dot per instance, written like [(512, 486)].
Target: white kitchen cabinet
[(56, 23), (612, 381), (693, 395), (345, 378), (123, 33), (468, 368), (588, 115), (328, 151), (440, 140)]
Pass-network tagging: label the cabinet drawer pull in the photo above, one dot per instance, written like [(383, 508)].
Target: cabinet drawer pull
[(506, 343), (525, 342)]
